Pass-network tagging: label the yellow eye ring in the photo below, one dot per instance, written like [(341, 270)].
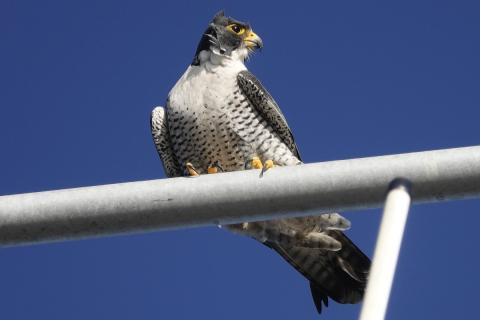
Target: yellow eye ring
[(235, 28)]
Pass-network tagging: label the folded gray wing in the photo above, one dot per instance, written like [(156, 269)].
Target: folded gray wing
[(161, 138), (267, 107)]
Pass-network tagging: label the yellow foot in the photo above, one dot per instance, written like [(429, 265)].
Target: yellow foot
[(191, 170), (267, 165), (254, 163), (215, 167)]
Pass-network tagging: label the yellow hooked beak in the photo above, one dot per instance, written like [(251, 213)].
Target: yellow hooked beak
[(252, 40)]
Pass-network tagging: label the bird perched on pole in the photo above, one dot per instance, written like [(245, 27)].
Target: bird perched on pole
[(219, 117)]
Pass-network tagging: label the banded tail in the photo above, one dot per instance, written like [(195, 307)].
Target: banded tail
[(341, 275)]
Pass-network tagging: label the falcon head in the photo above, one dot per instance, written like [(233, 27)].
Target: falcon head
[(227, 37)]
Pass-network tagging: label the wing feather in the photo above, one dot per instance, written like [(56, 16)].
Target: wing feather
[(340, 275), (267, 107), (161, 138)]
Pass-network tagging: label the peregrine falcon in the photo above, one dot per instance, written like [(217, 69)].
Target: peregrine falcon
[(219, 117)]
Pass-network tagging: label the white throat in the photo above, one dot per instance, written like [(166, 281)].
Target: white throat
[(211, 60)]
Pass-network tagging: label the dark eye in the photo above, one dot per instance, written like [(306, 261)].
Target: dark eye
[(235, 28)]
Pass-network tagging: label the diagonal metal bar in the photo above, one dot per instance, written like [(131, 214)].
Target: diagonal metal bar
[(395, 212), (235, 197)]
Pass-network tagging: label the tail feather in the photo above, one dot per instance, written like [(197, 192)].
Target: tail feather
[(318, 296), (340, 275)]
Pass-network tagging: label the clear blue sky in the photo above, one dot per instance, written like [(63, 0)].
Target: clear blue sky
[(354, 78)]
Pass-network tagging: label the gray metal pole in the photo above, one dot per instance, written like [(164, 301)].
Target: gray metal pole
[(387, 250), (235, 197)]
